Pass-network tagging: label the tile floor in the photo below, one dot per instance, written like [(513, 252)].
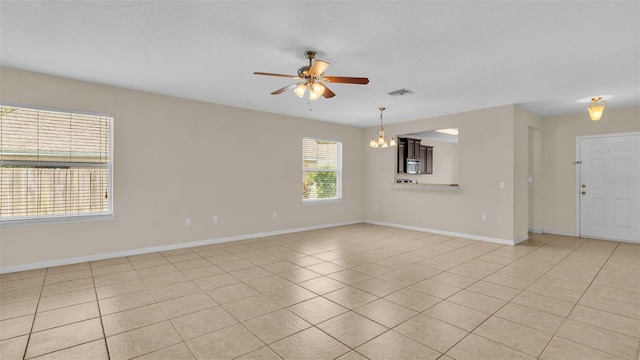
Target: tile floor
[(352, 292)]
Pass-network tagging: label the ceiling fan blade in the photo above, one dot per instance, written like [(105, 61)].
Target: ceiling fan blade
[(318, 67), (280, 75), (327, 92), (346, 80), (280, 91)]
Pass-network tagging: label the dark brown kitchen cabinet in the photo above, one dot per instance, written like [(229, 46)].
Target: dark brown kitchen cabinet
[(426, 159), (402, 162)]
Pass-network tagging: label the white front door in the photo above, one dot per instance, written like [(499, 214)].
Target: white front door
[(609, 187)]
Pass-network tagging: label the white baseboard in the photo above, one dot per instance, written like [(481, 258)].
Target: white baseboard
[(81, 259), (443, 232), (553, 232)]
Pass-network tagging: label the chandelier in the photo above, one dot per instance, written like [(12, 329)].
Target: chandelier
[(380, 141)]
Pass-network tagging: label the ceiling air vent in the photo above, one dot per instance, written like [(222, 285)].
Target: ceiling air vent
[(401, 92)]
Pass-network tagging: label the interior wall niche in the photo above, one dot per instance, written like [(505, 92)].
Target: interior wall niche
[(442, 163)]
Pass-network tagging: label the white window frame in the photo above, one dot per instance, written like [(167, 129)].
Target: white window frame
[(338, 172), (69, 218)]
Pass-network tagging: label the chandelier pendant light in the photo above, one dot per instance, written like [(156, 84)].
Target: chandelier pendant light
[(596, 108), (380, 141)]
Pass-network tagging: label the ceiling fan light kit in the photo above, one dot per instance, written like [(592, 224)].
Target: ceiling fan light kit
[(313, 76), (596, 108)]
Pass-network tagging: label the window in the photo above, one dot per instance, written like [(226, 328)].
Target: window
[(321, 170), (54, 164)]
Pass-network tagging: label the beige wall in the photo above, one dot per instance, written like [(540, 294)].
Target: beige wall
[(177, 158), (558, 142), (485, 158)]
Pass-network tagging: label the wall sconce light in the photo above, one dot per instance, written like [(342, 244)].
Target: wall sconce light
[(596, 108)]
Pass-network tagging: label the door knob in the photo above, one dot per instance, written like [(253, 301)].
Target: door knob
[(584, 193), (584, 186)]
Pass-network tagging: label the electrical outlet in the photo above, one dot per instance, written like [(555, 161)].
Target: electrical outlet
[(275, 214), (187, 221), (484, 217), (502, 185), (215, 219)]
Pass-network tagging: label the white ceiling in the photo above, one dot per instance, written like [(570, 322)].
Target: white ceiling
[(456, 56)]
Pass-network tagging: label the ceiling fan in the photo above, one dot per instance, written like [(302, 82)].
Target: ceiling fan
[(312, 77)]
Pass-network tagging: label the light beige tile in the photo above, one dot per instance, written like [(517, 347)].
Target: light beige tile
[(373, 269), (432, 332), (66, 276), (409, 275), (141, 341), (174, 290), (535, 319), (92, 350), (513, 335), (109, 279), (251, 307), (62, 337), (125, 302), (299, 275), (475, 347), (176, 259), (385, 312), (13, 349), (236, 265), (15, 327), (413, 299), (68, 268), (494, 290), (309, 344), (290, 295), (227, 343), (350, 297), (280, 266), (509, 281), (8, 297), (132, 319), (230, 293), (555, 290), (392, 345), (215, 281), (325, 268), (476, 269), (250, 273), (18, 309), (602, 339), (561, 349), (202, 322), (623, 295), (452, 279), (276, 325), (317, 310), (457, 315), (153, 271), (204, 271), (21, 275), (264, 353), (477, 301), (436, 288), (352, 355), (268, 283), (622, 324), (67, 287), (305, 261), (66, 315), (120, 289), (378, 287), (175, 352), (68, 299), (187, 304), (147, 260), (322, 285), (108, 262), (111, 269), (550, 305), (349, 277), (351, 329), (608, 304)]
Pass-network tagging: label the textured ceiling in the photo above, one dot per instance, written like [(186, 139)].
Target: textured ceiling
[(455, 56)]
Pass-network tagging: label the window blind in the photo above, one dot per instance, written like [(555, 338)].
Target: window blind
[(321, 170), (54, 163)]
